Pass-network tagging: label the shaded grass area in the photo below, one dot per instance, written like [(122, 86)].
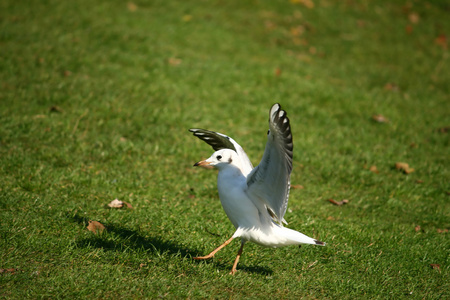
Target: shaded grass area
[(95, 102)]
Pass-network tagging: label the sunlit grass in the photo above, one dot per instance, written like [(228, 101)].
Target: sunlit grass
[(96, 101)]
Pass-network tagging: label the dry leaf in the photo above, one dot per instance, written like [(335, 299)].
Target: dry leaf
[(338, 203), (277, 72), (297, 186), (330, 218), (442, 230), (95, 227), (414, 18), (174, 61), (10, 271), (307, 3), (128, 205), (297, 30), (131, 6), (436, 266), (419, 181), (55, 108), (404, 167), (417, 228), (380, 119), (444, 129), (409, 29), (374, 169), (116, 203), (441, 41), (391, 87)]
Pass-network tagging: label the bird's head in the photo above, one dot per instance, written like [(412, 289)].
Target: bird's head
[(220, 159)]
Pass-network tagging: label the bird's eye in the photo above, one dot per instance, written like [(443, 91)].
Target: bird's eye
[(219, 157)]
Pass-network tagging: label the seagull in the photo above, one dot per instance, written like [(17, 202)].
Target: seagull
[(255, 199)]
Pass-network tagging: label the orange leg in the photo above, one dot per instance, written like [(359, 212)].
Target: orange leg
[(233, 270), (215, 251)]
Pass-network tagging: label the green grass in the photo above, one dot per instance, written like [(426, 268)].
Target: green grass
[(126, 81)]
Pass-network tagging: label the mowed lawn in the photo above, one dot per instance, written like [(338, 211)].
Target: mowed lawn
[(96, 99)]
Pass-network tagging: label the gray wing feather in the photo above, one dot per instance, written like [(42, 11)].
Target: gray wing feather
[(220, 141), (269, 182)]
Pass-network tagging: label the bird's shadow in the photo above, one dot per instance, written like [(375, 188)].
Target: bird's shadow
[(128, 238)]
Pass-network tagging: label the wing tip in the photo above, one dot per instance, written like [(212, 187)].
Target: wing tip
[(320, 243)]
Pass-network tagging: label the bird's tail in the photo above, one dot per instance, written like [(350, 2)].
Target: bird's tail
[(293, 237)]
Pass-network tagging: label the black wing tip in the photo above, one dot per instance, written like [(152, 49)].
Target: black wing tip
[(320, 243)]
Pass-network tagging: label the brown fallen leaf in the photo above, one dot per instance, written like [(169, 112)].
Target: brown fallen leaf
[(95, 227), (55, 108), (116, 203), (131, 6), (417, 228), (8, 271), (404, 167), (338, 203), (444, 129), (297, 186), (409, 29), (306, 3), (414, 18), (277, 72), (173, 61), (442, 230), (331, 218), (128, 205), (441, 41), (374, 169), (436, 266), (380, 119), (391, 87)]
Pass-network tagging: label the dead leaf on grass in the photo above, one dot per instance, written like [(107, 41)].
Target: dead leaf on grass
[(404, 167), (173, 61), (409, 28), (338, 203), (116, 203), (414, 18), (56, 109), (444, 129), (442, 230), (95, 227), (380, 119), (374, 169), (436, 266), (391, 87), (441, 41), (306, 3), (277, 72), (132, 7), (418, 228), (9, 271)]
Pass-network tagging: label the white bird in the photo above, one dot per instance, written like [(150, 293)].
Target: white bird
[(255, 199)]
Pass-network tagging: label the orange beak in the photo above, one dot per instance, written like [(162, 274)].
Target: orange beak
[(204, 164)]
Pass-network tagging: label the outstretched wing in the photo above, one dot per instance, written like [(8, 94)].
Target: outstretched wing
[(269, 182), (220, 141)]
